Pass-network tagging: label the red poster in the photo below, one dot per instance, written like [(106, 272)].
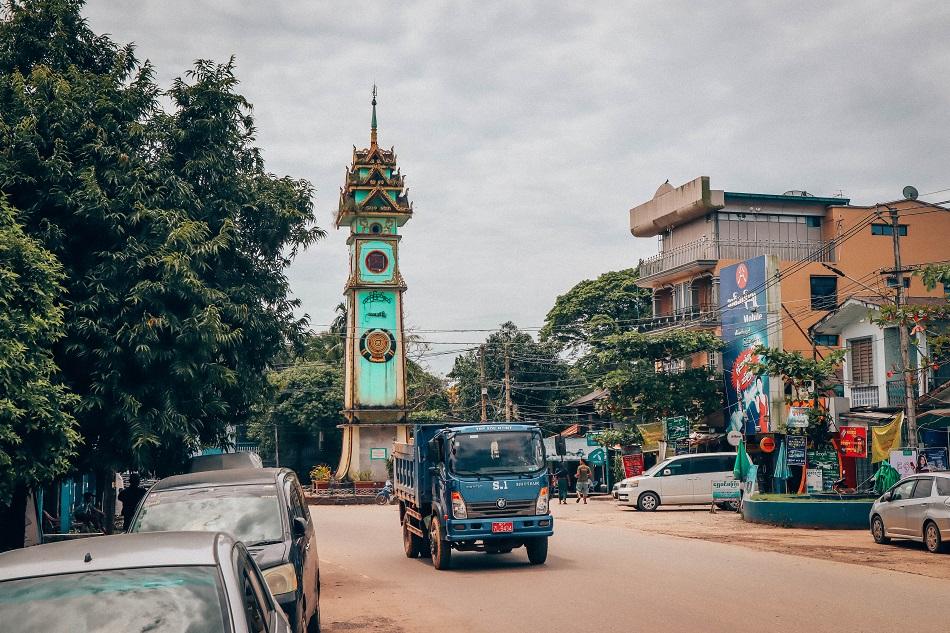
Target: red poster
[(633, 465), (854, 441)]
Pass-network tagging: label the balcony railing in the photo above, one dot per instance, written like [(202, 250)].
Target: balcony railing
[(865, 396), (703, 314), (896, 397), (711, 249)]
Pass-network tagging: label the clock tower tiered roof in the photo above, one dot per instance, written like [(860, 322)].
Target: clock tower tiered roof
[(374, 186)]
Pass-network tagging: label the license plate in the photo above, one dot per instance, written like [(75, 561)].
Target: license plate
[(504, 526)]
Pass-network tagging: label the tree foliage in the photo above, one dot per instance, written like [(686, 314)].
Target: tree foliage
[(37, 434), (538, 377), (173, 237), (596, 308)]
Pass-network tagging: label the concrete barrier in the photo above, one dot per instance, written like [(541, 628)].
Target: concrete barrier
[(826, 515)]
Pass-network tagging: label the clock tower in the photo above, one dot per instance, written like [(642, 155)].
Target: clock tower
[(373, 207)]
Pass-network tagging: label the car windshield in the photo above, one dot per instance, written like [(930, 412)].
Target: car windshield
[(249, 513), (655, 469), (514, 452), (153, 599)]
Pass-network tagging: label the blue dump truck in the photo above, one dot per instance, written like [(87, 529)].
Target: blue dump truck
[(473, 488)]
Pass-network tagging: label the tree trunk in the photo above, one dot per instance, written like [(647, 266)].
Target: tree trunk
[(12, 531)]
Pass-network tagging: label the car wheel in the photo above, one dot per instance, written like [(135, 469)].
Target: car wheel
[(439, 548), (878, 532), (648, 502), (932, 539)]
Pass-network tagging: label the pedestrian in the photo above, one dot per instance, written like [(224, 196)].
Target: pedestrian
[(89, 514), (562, 482), (583, 481), (130, 498)]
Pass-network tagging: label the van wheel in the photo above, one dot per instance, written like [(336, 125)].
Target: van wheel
[(537, 550), (932, 538), (877, 531), (439, 548), (648, 502)]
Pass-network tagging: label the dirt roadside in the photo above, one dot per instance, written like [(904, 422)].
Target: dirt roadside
[(846, 546)]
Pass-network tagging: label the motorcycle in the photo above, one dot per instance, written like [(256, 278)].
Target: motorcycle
[(386, 494)]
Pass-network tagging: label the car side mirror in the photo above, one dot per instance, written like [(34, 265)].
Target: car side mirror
[(667, 472), (889, 495), (300, 527)]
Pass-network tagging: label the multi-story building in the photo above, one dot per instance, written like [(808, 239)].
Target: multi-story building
[(827, 248)]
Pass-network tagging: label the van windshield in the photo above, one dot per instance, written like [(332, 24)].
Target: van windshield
[(509, 452), (655, 469)]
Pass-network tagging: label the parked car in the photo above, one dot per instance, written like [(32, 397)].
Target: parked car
[(680, 480), (264, 508), (917, 508), (162, 583), (223, 461)]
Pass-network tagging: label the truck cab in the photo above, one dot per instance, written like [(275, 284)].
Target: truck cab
[(479, 487)]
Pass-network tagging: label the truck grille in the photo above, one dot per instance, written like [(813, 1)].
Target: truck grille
[(519, 508)]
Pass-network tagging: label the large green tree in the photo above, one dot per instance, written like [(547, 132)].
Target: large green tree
[(596, 308), (37, 434), (172, 236)]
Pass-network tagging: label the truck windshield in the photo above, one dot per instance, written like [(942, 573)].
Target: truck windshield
[(507, 452)]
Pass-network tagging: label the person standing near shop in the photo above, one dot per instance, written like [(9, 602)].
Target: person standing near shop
[(583, 481), (560, 476), (130, 498)]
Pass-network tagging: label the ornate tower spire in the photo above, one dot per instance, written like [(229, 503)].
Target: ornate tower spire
[(372, 132)]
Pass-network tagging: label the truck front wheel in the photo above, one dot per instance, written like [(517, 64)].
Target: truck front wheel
[(537, 550), (412, 543), (438, 547)]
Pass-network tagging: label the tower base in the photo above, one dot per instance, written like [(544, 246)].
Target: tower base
[(368, 447)]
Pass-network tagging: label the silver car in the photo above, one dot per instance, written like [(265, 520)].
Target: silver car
[(917, 508)]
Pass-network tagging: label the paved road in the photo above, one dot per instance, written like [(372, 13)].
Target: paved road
[(606, 578)]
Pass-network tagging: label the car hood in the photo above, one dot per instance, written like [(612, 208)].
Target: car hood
[(267, 556)]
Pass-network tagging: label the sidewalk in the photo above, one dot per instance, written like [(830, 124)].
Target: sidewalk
[(697, 522)]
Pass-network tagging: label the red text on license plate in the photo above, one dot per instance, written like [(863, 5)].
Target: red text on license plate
[(504, 526)]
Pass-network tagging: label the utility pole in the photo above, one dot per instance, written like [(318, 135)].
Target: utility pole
[(481, 379), (507, 385), (909, 373)]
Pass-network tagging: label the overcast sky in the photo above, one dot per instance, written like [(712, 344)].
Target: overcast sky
[(526, 130)]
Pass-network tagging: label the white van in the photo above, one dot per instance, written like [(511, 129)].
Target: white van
[(680, 480)]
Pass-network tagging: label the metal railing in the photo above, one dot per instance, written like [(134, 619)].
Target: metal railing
[(702, 314), (896, 397), (865, 396), (712, 249)]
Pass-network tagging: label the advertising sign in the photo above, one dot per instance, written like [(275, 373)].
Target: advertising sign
[(932, 459), (743, 305), (795, 445), (677, 428), (597, 457), (904, 461), (767, 444), (681, 447), (633, 465), (797, 418), (827, 462), (814, 480), (722, 490), (854, 441)]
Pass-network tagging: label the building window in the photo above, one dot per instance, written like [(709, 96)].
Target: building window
[(824, 292), (813, 221), (892, 282), (888, 229), (862, 361), (826, 340)]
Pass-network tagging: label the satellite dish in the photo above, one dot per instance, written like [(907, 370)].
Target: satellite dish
[(910, 193)]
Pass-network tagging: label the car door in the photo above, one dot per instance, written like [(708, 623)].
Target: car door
[(674, 482), (916, 507), (892, 510), (306, 547), (703, 471)]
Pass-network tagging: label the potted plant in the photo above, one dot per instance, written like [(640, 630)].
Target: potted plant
[(363, 479), (320, 477)]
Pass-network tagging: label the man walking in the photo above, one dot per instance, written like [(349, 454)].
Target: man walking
[(560, 474), (583, 481), (130, 498)]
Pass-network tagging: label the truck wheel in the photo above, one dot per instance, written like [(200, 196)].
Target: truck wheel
[(411, 543), (439, 547), (537, 550)]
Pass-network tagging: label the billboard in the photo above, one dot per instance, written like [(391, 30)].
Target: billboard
[(746, 322)]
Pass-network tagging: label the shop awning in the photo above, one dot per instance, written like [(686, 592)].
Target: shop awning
[(934, 420)]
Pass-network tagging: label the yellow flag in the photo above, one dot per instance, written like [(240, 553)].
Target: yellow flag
[(884, 438), (652, 434)]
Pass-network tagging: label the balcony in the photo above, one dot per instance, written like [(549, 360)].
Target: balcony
[(704, 253), (703, 315), (865, 397)]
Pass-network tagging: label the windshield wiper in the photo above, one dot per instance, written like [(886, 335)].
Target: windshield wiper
[(271, 541)]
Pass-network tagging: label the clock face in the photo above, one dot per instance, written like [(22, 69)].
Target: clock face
[(376, 262)]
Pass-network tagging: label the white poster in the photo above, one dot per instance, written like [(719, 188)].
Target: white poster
[(814, 480), (904, 461)]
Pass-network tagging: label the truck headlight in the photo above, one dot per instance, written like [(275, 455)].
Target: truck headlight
[(541, 507), (458, 506), (281, 579)]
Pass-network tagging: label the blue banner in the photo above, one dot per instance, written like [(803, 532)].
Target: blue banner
[(795, 446), (743, 306)]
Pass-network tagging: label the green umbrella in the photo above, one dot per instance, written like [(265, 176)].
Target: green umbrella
[(741, 469)]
